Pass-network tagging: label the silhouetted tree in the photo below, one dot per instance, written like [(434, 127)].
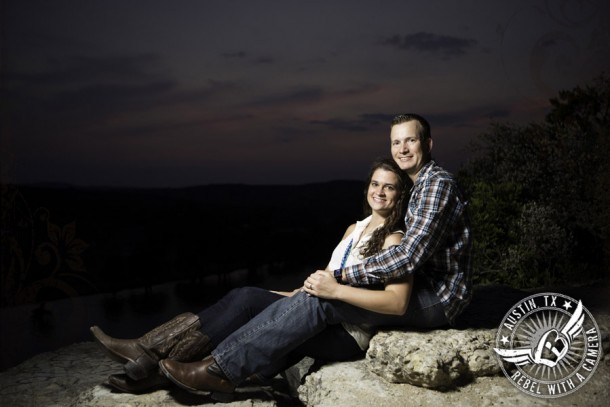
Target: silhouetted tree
[(540, 193)]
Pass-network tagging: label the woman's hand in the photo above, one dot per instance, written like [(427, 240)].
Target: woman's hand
[(321, 284)]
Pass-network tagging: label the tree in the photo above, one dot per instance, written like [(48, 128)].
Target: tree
[(540, 193)]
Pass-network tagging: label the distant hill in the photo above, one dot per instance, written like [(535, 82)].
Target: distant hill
[(65, 240)]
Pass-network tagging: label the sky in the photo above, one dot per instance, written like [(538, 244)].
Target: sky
[(155, 93)]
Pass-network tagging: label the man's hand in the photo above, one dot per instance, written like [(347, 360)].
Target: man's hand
[(322, 284)]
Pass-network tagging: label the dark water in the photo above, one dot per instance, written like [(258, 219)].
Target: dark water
[(31, 329)]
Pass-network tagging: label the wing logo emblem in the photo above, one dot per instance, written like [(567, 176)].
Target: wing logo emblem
[(552, 346)]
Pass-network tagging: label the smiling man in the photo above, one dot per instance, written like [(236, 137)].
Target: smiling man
[(411, 143)]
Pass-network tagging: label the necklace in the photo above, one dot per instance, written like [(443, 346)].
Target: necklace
[(347, 252), (348, 249)]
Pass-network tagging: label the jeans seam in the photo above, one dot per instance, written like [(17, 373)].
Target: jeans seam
[(219, 355)]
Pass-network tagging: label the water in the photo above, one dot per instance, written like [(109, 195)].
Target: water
[(31, 329)]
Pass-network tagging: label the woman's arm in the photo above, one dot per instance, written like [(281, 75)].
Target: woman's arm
[(393, 300)]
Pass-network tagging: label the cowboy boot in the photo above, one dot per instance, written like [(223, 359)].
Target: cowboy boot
[(194, 346), (197, 377), (142, 355), (125, 384)]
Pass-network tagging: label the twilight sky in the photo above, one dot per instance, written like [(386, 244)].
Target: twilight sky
[(156, 93)]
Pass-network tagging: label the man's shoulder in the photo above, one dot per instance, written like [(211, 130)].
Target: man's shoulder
[(437, 174)]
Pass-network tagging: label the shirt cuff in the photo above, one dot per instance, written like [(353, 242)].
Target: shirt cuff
[(338, 276)]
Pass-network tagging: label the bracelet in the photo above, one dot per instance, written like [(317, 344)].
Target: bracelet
[(338, 276)]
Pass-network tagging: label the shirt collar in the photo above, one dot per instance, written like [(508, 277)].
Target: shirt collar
[(424, 170)]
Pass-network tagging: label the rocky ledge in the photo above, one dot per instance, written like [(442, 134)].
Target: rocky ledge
[(444, 367), (436, 368)]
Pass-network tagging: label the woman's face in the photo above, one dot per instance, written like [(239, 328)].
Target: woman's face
[(383, 193)]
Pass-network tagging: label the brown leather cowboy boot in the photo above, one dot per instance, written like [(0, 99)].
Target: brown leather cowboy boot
[(194, 346), (197, 377), (142, 355), (153, 382)]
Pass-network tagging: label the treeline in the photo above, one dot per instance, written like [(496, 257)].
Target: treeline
[(540, 194)]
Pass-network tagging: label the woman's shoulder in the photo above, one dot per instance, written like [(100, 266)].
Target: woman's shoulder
[(349, 231), (393, 239)]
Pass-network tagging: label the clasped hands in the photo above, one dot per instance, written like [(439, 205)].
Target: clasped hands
[(321, 284)]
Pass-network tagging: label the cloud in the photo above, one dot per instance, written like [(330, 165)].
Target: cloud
[(363, 122), (86, 89), (113, 96), (232, 55), (340, 124), (242, 55), (264, 60), (81, 69), (377, 118), (448, 46), (307, 94), (468, 118)]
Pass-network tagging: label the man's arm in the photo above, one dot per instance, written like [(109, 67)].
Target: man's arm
[(431, 214)]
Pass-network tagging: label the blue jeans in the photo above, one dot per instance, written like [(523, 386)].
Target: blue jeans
[(268, 340), (240, 305)]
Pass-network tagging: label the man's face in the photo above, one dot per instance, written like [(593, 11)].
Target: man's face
[(409, 152)]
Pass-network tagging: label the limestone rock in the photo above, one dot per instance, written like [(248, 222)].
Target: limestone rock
[(438, 359), (103, 396), (347, 384)]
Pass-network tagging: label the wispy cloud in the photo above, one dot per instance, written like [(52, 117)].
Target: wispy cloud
[(75, 70), (243, 55), (362, 122), (232, 55), (448, 46), (308, 94)]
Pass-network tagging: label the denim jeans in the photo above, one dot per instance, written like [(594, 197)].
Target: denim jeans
[(240, 305), (267, 340)]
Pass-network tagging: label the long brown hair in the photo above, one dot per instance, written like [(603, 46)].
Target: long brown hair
[(395, 221)]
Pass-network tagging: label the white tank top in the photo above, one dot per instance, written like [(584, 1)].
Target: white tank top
[(346, 254)]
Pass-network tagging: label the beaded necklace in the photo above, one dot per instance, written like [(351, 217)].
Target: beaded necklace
[(349, 247), (347, 252)]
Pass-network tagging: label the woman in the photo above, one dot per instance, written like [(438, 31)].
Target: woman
[(190, 337)]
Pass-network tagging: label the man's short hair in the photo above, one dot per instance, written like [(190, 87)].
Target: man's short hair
[(424, 126)]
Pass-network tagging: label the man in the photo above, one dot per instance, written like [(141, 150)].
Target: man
[(436, 250)]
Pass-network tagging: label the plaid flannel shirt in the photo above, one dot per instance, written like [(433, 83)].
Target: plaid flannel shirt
[(436, 246)]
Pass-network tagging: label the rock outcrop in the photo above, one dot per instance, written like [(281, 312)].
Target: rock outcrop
[(439, 368), (439, 359)]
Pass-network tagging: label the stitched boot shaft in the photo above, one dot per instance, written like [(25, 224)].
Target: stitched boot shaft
[(142, 355), (158, 343), (193, 346)]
